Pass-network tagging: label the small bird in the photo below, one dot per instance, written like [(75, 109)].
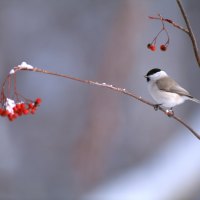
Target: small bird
[(166, 91)]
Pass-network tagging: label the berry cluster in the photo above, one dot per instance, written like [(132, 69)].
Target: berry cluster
[(152, 47), (13, 104), (163, 47), (13, 110)]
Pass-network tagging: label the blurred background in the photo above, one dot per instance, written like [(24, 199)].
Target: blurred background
[(90, 143)]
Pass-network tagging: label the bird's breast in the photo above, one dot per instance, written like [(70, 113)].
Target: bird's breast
[(167, 99)]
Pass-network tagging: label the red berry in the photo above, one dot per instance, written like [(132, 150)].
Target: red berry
[(38, 101), (25, 112), (19, 112), (18, 106), (15, 109), (5, 113), (22, 106), (151, 47), (15, 116), (163, 47), (33, 111), (10, 117), (30, 105)]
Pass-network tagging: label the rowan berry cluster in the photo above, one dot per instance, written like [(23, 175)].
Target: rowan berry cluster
[(13, 110), (13, 104), (164, 46)]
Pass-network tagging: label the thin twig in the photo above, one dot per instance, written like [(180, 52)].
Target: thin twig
[(187, 126), (188, 30), (117, 89), (170, 22), (191, 34)]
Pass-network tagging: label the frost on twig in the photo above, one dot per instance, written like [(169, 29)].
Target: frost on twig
[(22, 66), (12, 71), (9, 105)]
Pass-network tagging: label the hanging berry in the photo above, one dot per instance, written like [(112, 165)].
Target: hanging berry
[(163, 47), (152, 47)]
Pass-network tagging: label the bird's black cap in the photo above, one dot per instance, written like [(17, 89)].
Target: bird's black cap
[(153, 71)]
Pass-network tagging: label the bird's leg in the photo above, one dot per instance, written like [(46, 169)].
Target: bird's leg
[(156, 106)]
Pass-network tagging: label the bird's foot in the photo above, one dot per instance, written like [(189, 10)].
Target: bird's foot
[(169, 113), (156, 106)]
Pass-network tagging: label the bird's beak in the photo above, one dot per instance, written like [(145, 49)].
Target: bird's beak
[(147, 78)]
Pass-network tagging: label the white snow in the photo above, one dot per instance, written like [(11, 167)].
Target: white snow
[(25, 65), (10, 104), (12, 71)]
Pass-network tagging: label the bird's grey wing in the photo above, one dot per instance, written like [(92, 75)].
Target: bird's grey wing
[(173, 87)]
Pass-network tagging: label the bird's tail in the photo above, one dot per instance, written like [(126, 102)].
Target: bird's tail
[(195, 100)]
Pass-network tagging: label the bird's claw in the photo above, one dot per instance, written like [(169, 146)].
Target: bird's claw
[(156, 106)]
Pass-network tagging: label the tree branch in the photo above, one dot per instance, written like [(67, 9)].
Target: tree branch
[(190, 32), (187, 30), (114, 88), (170, 22)]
